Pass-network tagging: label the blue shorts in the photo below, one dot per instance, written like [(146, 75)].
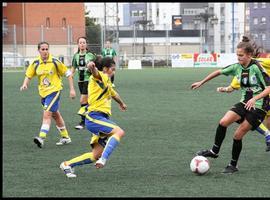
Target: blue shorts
[(99, 123), (51, 102)]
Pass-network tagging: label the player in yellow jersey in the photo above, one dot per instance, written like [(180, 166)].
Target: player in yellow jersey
[(235, 85), (49, 71), (106, 135)]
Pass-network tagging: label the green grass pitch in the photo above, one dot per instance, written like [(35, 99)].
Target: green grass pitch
[(165, 124)]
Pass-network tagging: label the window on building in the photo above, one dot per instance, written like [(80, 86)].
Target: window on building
[(4, 25), (188, 26), (64, 22), (263, 20), (135, 13), (255, 36), (48, 22), (263, 5), (263, 36), (141, 13), (255, 20), (255, 5), (222, 11), (158, 12), (189, 11)]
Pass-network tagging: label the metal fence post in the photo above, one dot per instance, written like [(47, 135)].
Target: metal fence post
[(42, 33), (167, 46), (14, 38), (134, 40)]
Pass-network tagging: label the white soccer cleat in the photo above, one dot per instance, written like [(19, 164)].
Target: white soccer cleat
[(63, 141), (79, 127), (100, 163), (69, 171), (39, 141)]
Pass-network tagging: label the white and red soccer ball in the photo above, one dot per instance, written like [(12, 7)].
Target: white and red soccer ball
[(199, 165)]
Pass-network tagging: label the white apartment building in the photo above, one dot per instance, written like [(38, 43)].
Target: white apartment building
[(222, 37)]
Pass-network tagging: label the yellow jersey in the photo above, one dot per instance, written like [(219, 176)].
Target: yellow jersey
[(100, 93), (264, 62), (49, 74)]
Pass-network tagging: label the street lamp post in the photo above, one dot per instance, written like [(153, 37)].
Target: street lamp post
[(144, 23), (205, 17)]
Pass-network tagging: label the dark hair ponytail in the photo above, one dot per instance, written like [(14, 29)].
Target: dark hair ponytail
[(245, 39), (107, 62), (256, 49)]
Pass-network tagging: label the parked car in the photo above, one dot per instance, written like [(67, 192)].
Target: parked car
[(11, 59)]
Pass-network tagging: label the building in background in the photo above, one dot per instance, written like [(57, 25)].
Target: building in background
[(133, 12), (258, 23), (221, 25), (26, 24), (147, 28)]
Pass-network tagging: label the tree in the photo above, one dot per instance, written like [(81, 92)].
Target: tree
[(93, 34)]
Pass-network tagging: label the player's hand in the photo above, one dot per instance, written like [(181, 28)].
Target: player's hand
[(72, 94), (250, 104), (90, 65), (196, 85), (23, 87), (123, 107), (222, 89)]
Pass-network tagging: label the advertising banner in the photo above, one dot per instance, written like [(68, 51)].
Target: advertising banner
[(226, 59), (205, 60), (134, 64), (176, 22), (182, 60)]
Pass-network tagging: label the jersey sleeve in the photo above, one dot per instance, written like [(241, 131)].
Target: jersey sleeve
[(263, 76), (229, 70), (61, 68), (91, 56), (113, 92), (114, 53), (104, 78), (235, 83), (103, 53), (74, 63), (264, 62), (31, 70)]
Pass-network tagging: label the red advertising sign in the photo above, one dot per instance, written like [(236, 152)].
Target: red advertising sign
[(205, 60)]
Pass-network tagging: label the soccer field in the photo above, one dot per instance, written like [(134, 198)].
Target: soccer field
[(165, 124)]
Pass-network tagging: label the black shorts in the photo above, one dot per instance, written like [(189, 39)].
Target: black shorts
[(254, 117), (83, 86)]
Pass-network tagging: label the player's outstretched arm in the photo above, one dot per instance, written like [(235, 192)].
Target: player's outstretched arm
[(227, 89), (92, 67), (121, 103), (72, 92), (25, 84), (207, 78)]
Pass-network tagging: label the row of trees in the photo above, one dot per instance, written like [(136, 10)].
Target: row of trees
[(93, 34)]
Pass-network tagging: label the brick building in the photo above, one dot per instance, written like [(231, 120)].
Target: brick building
[(26, 24)]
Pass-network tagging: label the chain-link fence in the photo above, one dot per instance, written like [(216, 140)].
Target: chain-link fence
[(152, 47)]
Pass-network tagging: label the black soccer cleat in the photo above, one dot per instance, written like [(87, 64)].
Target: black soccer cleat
[(229, 169), (39, 141), (207, 153), (267, 146)]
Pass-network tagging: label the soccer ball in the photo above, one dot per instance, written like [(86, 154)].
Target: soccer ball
[(199, 165)]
